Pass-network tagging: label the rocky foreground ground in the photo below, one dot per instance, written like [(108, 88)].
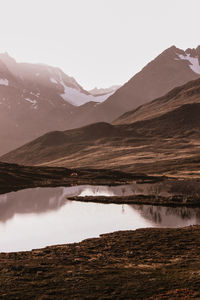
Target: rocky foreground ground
[(141, 264)]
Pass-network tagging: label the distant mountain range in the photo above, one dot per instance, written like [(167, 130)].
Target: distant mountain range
[(36, 99), (37, 78), (101, 91), (166, 142)]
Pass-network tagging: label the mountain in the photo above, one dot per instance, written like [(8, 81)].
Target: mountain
[(172, 68), (102, 91), (38, 77), (35, 99), (186, 94), (166, 144)]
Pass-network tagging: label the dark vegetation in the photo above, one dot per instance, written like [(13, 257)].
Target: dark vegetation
[(14, 177), (141, 264), (172, 201)]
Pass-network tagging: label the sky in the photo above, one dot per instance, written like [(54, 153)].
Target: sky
[(98, 42)]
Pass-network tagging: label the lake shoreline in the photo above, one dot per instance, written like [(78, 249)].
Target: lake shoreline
[(140, 264), (15, 177), (140, 200)]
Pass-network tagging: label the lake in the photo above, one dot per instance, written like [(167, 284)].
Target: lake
[(35, 218)]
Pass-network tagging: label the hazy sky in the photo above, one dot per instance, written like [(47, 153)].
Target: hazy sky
[(99, 42)]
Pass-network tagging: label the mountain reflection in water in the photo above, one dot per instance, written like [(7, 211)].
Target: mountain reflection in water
[(169, 216), (35, 218)]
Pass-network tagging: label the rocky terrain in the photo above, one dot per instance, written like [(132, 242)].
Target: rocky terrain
[(142, 264)]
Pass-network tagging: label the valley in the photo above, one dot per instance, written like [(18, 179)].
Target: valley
[(36, 98), (167, 143), (99, 189)]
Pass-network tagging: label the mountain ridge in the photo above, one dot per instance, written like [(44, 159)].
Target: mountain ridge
[(34, 98), (163, 104), (166, 143), (163, 73)]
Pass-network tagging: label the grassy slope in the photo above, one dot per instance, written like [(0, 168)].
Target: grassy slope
[(166, 144)]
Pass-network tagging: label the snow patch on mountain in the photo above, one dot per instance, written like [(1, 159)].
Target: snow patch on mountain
[(35, 94), (33, 102), (53, 80), (77, 98), (194, 62), (4, 82)]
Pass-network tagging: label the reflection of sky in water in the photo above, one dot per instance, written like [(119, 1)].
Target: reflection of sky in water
[(35, 218)]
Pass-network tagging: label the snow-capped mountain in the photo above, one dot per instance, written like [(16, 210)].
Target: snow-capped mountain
[(37, 77), (173, 67), (192, 56), (36, 98), (169, 138)]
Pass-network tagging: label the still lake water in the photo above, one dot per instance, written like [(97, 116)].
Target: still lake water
[(35, 218)]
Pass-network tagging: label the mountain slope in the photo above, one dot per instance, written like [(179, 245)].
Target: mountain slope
[(168, 143), (172, 68), (39, 77), (186, 94), (35, 99)]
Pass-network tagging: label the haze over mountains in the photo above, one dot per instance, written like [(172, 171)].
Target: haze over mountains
[(35, 99), (166, 143)]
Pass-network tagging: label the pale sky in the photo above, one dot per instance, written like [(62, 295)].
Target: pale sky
[(98, 42)]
